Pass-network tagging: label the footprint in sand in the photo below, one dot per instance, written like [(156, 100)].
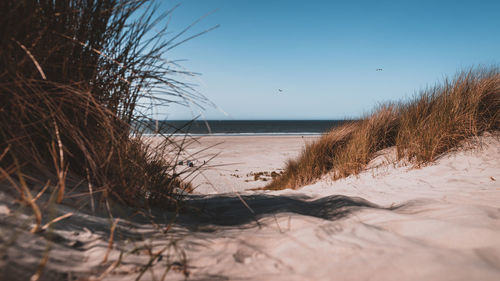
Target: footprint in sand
[(243, 255)]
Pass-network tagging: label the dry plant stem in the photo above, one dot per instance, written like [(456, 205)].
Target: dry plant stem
[(91, 191), (29, 200), (5, 151), (152, 258), (37, 65), (47, 225), (25, 194), (6, 176), (112, 267), (43, 263), (42, 191), (61, 171), (99, 53), (110, 242)]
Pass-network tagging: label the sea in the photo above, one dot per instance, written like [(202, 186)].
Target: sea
[(242, 127)]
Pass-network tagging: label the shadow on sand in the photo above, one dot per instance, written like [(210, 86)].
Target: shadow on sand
[(75, 237), (233, 210)]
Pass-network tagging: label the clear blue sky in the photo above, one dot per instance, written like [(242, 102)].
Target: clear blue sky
[(324, 54)]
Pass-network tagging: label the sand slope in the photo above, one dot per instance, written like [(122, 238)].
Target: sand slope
[(392, 222), (440, 222)]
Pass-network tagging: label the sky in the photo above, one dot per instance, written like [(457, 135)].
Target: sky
[(324, 55)]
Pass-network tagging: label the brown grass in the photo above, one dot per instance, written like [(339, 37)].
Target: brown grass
[(422, 129), (77, 79)]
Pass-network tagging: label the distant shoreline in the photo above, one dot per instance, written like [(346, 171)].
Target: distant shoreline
[(241, 127), (242, 135)]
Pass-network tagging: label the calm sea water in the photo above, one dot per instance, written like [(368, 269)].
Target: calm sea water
[(246, 127)]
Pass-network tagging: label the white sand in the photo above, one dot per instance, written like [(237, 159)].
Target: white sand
[(238, 158), (440, 222), (446, 227)]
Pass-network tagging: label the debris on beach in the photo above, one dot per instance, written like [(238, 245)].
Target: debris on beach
[(264, 176)]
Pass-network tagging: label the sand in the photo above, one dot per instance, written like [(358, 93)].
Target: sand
[(232, 162), (391, 222)]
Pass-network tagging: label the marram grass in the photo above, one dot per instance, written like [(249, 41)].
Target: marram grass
[(423, 128)]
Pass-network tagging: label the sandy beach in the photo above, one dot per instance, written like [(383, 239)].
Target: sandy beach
[(239, 163), (249, 140), (391, 222)]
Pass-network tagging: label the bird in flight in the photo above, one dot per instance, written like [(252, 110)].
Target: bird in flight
[(280, 90), (379, 69)]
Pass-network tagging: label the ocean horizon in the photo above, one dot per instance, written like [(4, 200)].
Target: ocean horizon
[(241, 127)]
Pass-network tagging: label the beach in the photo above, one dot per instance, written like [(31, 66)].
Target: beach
[(249, 140), (239, 163), (391, 222)]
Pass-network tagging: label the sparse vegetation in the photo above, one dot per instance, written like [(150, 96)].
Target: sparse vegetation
[(422, 129)]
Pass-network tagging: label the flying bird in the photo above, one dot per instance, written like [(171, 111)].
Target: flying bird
[(280, 90), (379, 69)]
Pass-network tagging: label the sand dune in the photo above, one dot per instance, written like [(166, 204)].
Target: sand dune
[(440, 222), (392, 222)]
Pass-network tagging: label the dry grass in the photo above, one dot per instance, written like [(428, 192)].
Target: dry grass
[(422, 129), (77, 79)]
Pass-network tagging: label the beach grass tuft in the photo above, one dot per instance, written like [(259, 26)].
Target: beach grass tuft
[(433, 122), (78, 80)]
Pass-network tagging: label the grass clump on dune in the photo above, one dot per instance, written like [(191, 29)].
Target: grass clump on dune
[(74, 76), (422, 129)]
